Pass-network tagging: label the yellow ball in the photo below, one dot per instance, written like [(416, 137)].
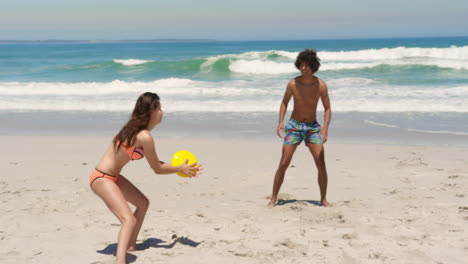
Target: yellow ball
[(180, 157)]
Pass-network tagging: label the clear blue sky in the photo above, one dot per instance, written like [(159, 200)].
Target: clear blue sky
[(230, 20)]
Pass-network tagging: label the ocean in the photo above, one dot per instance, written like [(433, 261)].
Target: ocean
[(390, 91)]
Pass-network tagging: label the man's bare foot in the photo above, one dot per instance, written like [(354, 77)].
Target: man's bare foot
[(271, 204), (325, 203), (132, 248)]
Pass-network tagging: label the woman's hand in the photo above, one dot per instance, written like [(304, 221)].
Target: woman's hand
[(191, 170)]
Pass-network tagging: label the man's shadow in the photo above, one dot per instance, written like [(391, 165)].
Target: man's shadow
[(284, 202), (150, 243)]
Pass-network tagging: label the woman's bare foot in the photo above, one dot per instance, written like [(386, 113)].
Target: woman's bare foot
[(132, 248)]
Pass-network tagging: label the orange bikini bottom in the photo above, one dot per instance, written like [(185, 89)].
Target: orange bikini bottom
[(99, 174)]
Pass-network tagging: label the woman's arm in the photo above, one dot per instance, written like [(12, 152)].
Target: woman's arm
[(146, 140)]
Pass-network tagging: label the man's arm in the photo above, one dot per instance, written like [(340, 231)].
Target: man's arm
[(284, 106), (327, 110)]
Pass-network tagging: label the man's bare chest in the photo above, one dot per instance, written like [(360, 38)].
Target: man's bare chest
[(306, 93)]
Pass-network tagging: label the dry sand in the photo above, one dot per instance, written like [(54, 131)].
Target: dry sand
[(393, 204)]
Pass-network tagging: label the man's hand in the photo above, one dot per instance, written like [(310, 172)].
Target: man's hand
[(324, 134), (279, 129)]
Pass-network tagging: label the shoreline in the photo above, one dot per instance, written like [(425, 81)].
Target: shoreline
[(345, 128)]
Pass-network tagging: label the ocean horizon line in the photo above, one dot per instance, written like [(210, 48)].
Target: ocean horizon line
[(166, 40), (97, 41)]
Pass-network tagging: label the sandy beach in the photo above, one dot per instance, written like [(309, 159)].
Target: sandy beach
[(392, 204)]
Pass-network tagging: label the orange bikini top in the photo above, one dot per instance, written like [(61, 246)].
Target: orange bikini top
[(132, 152)]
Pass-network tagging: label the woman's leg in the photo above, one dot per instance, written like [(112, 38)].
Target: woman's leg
[(108, 191), (139, 200)]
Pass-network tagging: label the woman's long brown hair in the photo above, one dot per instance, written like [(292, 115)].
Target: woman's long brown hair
[(139, 120)]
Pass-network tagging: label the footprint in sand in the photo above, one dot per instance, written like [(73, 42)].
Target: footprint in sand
[(243, 254), (296, 208), (227, 242), (341, 219), (303, 232), (405, 179), (463, 209), (348, 236), (287, 243), (416, 162), (37, 252), (343, 203), (375, 255), (329, 217), (147, 231), (391, 192), (449, 185)]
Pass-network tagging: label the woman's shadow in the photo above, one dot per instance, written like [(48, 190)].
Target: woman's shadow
[(150, 243)]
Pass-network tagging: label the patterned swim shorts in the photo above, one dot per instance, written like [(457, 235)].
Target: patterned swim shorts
[(298, 131)]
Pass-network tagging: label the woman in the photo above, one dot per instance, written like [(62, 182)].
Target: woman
[(133, 142)]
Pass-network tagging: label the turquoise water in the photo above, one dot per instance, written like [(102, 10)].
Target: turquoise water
[(393, 83), (392, 60)]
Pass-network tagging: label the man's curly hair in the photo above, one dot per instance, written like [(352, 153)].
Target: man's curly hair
[(308, 56)]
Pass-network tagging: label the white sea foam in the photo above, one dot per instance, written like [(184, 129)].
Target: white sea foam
[(121, 104), (130, 62), (271, 67), (261, 67), (456, 53), (346, 94), (259, 62), (347, 66), (351, 87), (453, 64), (378, 124), (255, 55), (438, 132), (351, 82), (247, 56), (170, 86)]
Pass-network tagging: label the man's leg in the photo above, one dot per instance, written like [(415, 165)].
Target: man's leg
[(318, 153), (286, 156)]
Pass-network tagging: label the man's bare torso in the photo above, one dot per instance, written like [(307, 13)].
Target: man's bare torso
[(306, 94)]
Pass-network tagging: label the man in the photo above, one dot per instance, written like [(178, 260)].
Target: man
[(306, 91)]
